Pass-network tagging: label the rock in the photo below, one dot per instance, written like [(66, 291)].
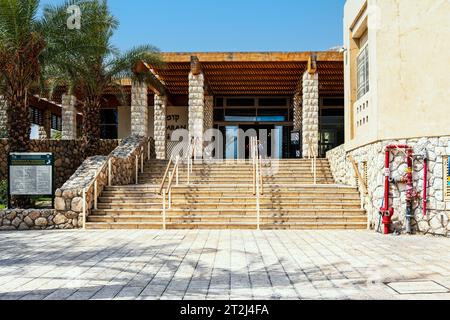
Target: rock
[(16, 222), (28, 221), (67, 194), (59, 219), (58, 193), (23, 226), (77, 204), (60, 204), (71, 215), (41, 222), (423, 226), (34, 215)]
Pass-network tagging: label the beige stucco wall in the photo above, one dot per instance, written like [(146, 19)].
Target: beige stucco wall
[(124, 119), (409, 70), (177, 118)]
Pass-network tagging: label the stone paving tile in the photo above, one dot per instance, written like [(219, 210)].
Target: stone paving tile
[(217, 265)]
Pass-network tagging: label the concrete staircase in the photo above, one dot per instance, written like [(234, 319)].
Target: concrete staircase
[(220, 196)]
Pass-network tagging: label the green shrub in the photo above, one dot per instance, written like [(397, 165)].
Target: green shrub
[(3, 193)]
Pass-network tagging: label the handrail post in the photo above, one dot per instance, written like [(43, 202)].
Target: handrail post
[(142, 159), (169, 198), (261, 175), (84, 209), (148, 149), (109, 172), (137, 169), (95, 194), (164, 209), (177, 177), (258, 210)]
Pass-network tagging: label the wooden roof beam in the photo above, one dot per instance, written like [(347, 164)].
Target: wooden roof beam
[(196, 69), (312, 63), (154, 82)]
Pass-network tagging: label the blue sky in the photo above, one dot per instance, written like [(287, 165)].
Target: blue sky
[(228, 25)]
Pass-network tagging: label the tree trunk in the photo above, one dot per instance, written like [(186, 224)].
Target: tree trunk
[(91, 127), (3, 119), (19, 124), (19, 129)]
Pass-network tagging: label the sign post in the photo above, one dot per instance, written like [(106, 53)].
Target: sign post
[(30, 174)]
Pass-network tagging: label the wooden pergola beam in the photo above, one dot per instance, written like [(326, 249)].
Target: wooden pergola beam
[(155, 84), (196, 69)]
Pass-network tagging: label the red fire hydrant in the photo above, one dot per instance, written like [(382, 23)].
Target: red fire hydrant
[(387, 219)]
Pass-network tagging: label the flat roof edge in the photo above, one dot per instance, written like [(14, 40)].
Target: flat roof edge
[(273, 56)]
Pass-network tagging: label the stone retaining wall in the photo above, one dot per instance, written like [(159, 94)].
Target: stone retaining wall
[(67, 153), (69, 198), (437, 220), (34, 219)]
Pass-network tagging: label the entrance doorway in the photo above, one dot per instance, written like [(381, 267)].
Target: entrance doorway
[(264, 134), (237, 140)]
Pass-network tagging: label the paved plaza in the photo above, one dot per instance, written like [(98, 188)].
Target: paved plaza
[(224, 265)]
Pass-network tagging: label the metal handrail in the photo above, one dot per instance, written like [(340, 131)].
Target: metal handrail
[(168, 190), (108, 164), (165, 176), (313, 156), (190, 155), (257, 178), (358, 174)]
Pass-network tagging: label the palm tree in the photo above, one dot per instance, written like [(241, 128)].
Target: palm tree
[(21, 45), (93, 66)]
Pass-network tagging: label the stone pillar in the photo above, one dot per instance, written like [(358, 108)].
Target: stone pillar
[(48, 123), (208, 120), (196, 110), (3, 119), (298, 112), (139, 109), (310, 127), (69, 118), (159, 122), (42, 135)]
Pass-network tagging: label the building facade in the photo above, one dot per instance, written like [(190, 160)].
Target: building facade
[(284, 92), (397, 93)]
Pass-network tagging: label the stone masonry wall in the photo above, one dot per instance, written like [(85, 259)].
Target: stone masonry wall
[(437, 220), (196, 109), (69, 118), (139, 109), (67, 154), (35, 219), (208, 118), (298, 112), (310, 116), (160, 126)]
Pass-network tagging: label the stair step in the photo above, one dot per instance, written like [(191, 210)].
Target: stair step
[(220, 196), (219, 225)]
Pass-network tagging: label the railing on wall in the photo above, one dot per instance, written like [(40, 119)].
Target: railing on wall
[(95, 187)]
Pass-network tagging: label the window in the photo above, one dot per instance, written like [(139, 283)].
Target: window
[(333, 102), (108, 124), (56, 122), (363, 72), (36, 116)]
